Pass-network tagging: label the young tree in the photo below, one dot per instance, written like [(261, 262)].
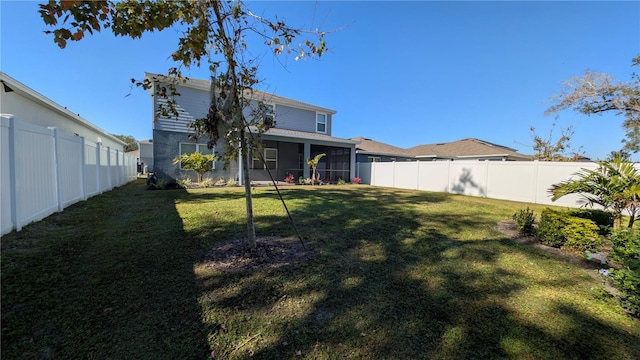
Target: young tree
[(213, 32), (614, 185), (548, 149), (198, 162), (314, 165), (597, 93)]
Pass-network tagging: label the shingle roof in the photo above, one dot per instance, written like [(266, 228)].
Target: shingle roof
[(469, 147), (375, 147)]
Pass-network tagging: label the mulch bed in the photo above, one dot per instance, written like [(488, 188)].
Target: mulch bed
[(271, 253)]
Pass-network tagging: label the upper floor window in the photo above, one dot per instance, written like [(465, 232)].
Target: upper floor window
[(321, 123), (270, 115), (189, 148)]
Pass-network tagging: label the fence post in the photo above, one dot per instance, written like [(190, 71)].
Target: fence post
[(118, 168), (99, 167), (485, 193), (448, 187), (418, 175), (13, 174), (534, 196), (109, 182), (56, 167), (83, 167)]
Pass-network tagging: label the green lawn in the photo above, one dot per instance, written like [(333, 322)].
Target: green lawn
[(397, 275)]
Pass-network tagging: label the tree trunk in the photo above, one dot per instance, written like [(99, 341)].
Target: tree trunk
[(251, 231)]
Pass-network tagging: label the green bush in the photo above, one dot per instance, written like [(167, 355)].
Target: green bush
[(628, 283), (550, 228), (525, 220), (581, 234), (603, 219), (626, 252), (559, 228)]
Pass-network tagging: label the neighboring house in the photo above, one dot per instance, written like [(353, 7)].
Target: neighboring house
[(145, 157), (467, 149), (30, 106), (369, 150), (301, 132)]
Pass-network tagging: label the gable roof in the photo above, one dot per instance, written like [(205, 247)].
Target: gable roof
[(205, 85), (466, 148), (368, 146)]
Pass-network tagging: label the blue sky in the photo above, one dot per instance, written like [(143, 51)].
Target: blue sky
[(404, 73)]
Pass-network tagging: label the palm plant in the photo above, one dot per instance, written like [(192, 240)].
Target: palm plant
[(614, 185), (314, 165), (198, 162)]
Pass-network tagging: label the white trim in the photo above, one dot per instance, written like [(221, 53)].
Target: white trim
[(326, 122)]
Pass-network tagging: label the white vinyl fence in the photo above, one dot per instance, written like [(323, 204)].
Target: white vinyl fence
[(523, 181), (44, 171)]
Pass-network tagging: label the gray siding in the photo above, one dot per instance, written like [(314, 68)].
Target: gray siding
[(192, 104), (166, 146), (297, 119)]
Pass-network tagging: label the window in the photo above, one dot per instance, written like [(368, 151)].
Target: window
[(270, 160), (270, 115), (392, 159), (189, 148), (321, 123), (373, 158)]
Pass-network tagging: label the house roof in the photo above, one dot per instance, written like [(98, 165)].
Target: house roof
[(257, 94), (14, 85), (466, 148), (306, 135), (368, 146)]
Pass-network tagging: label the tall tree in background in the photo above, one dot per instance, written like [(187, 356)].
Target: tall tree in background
[(132, 143), (597, 93), (548, 149), (213, 32)]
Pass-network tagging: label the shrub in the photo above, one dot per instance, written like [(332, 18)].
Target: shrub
[(550, 228), (559, 228), (341, 182), (357, 180), (185, 183), (603, 219), (581, 234), (221, 182), (301, 180), (628, 283), (525, 219), (626, 251), (232, 182), (289, 179), (206, 182)]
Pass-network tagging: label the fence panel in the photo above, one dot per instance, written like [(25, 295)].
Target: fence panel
[(43, 170), (69, 156), (511, 180), (91, 169), (523, 181), (433, 175)]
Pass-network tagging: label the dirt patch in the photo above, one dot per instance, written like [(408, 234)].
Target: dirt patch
[(510, 229), (271, 253)]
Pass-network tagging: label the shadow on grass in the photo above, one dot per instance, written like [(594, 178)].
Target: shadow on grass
[(389, 283), (111, 277)]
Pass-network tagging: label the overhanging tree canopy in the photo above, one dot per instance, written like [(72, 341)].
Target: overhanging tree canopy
[(214, 32)]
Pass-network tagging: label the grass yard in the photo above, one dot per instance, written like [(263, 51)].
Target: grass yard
[(397, 275)]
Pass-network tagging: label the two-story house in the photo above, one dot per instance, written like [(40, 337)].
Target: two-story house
[(301, 132)]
